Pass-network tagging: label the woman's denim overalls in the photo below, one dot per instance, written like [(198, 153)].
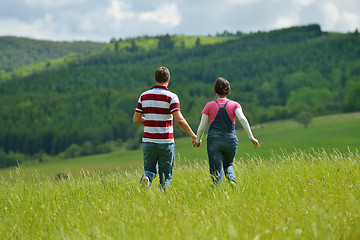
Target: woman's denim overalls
[(221, 146)]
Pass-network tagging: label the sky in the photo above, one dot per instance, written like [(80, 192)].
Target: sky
[(102, 20)]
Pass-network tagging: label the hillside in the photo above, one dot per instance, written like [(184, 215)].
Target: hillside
[(17, 52), (90, 100)]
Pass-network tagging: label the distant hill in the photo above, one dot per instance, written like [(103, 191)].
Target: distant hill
[(90, 99), (16, 52)]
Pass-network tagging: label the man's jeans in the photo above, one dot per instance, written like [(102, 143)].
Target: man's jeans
[(159, 156), (221, 150)]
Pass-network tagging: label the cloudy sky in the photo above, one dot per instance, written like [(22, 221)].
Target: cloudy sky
[(100, 20)]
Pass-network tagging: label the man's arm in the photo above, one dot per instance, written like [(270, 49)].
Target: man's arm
[(138, 118), (180, 120)]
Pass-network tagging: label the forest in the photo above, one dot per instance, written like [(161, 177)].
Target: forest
[(82, 104)]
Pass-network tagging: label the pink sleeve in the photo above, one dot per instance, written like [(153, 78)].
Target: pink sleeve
[(211, 109), (207, 108)]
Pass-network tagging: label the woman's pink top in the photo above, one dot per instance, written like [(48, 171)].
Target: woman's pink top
[(211, 109)]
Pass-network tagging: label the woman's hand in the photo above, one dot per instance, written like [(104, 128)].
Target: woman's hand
[(195, 143), (255, 143)]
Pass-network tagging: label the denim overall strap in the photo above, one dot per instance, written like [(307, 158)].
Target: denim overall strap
[(222, 122)]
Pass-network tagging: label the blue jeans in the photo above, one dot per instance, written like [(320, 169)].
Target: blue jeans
[(159, 156), (221, 150)]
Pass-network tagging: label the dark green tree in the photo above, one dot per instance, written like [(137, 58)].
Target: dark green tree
[(133, 47), (304, 118), (165, 42), (197, 43), (116, 46), (352, 97)]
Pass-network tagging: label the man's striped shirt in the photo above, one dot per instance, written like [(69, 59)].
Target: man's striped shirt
[(157, 105)]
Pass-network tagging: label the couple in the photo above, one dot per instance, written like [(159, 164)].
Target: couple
[(156, 110)]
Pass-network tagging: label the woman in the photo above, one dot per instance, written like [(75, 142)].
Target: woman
[(222, 141)]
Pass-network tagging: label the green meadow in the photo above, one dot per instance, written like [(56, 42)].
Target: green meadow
[(330, 133), (303, 183), (296, 196)]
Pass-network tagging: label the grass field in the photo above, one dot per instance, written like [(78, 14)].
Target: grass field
[(301, 184), (296, 196), (338, 132)]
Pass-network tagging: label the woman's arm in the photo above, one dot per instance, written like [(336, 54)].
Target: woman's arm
[(244, 122), (202, 126)]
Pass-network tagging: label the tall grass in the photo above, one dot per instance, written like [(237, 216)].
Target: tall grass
[(290, 196)]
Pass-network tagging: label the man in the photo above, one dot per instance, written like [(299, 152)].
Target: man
[(156, 110)]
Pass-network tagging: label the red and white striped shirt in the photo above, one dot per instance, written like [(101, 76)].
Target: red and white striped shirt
[(157, 105)]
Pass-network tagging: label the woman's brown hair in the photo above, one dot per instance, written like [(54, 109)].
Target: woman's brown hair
[(221, 87)]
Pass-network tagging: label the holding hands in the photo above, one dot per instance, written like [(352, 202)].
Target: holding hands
[(195, 143)]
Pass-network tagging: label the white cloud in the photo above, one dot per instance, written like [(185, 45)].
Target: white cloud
[(240, 2), (45, 28), (331, 15), (89, 21), (119, 10), (15, 27), (349, 20), (166, 15), (104, 19), (339, 18), (52, 3), (304, 3), (284, 22), (286, 15)]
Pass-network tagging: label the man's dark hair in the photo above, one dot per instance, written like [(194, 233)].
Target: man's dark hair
[(162, 74), (221, 87)]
